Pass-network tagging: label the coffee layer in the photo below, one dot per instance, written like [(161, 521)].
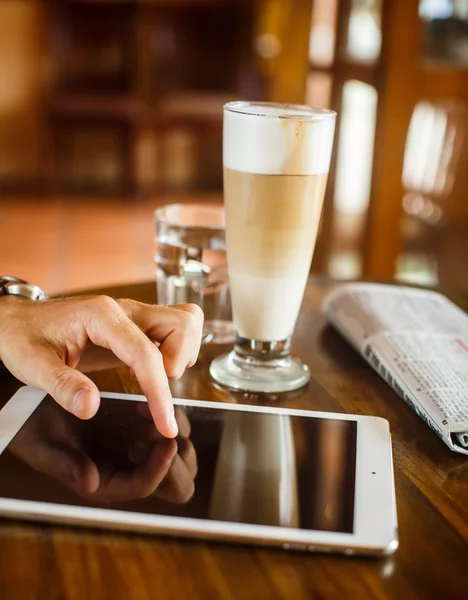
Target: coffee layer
[(272, 223)]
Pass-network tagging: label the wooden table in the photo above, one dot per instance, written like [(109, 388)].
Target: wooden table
[(41, 561)]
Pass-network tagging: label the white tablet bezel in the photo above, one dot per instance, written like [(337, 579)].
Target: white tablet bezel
[(375, 522)]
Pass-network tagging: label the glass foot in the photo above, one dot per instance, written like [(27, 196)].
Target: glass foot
[(252, 374)]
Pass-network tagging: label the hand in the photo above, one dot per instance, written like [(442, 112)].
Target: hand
[(41, 344), (140, 464)]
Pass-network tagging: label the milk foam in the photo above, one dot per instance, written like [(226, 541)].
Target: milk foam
[(277, 140)]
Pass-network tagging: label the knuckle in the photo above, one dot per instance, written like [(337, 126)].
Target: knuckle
[(60, 380), (126, 303), (195, 311), (192, 318), (105, 302)]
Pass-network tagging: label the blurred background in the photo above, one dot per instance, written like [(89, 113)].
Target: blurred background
[(110, 108)]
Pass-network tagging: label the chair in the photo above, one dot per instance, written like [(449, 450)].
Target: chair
[(400, 69)]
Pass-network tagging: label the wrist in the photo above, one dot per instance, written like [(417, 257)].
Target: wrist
[(14, 294), (9, 306)]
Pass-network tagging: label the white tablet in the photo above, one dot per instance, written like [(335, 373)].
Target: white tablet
[(294, 479)]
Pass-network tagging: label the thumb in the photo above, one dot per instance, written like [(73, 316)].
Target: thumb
[(69, 388)]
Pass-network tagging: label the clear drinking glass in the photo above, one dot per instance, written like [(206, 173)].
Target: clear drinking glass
[(276, 160), (190, 257)]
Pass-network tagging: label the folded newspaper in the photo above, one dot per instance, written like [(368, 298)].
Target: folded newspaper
[(417, 340)]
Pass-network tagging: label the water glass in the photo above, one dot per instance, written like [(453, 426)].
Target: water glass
[(190, 257)]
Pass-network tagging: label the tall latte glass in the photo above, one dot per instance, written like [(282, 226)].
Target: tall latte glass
[(276, 159)]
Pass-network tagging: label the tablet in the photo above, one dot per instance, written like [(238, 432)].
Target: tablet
[(294, 479)]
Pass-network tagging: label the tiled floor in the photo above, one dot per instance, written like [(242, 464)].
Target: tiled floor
[(70, 243), (66, 244)]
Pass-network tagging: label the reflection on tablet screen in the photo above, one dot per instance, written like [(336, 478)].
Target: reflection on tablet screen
[(226, 465)]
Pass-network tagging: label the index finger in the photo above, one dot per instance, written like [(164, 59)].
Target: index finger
[(107, 325)]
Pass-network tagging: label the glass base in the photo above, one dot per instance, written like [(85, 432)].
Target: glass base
[(257, 372)]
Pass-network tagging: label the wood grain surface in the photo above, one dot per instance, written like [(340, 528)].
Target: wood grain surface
[(42, 561)]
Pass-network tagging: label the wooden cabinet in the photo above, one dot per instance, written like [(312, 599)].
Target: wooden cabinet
[(155, 74)]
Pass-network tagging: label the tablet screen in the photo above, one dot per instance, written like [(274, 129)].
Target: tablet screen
[(226, 465)]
